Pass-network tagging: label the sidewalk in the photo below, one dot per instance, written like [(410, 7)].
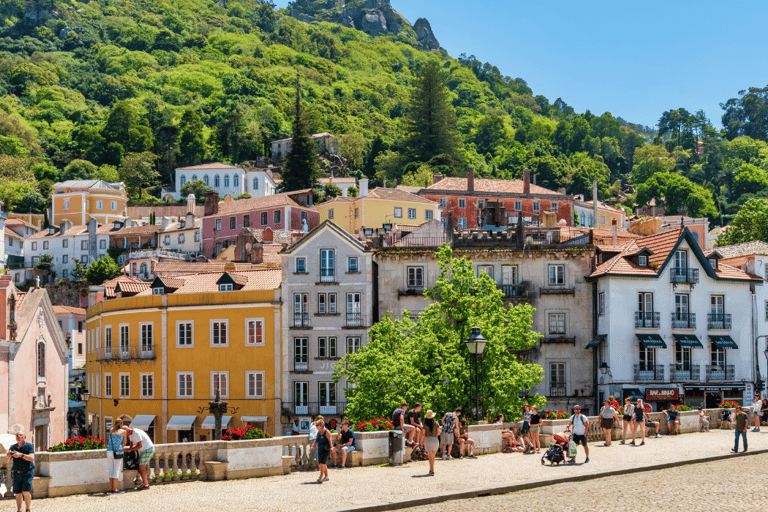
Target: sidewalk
[(375, 485)]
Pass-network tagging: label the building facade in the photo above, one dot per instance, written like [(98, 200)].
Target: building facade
[(226, 180), (79, 201), (324, 142)]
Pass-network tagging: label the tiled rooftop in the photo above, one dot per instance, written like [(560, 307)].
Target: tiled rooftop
[(395, 194), (206, 167), (746, 249), (487, 185), (259, 203), (68, 310), (205, 282)]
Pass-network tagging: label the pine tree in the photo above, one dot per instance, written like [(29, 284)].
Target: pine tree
[(301, 166), (432, 120)]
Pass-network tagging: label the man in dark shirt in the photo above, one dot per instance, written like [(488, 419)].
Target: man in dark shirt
[(741, 429), (414, 419), (673, 424), (345, 443), (23, 455)]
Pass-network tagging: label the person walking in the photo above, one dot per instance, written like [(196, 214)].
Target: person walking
[(117, 442), (313, 434), (449, 426), (627, 419), (757, 405), (23, 470), (140, 442), (608, 418), (741, 429), (324, 443), (431, 444), (639, 423), (703, 420), (535, 426), (580, 424)]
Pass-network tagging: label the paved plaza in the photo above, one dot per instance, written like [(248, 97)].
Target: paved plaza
[(738, 478)]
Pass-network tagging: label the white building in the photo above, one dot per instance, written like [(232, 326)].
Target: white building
[(15, 231), (325, 143), (328, 307), (673, 323), (225, 180), (182, 235)]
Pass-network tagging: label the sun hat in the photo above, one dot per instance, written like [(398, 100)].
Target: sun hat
[(429, 414)]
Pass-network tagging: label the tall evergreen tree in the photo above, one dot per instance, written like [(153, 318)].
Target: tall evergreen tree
[(431, 121), (192, 141), (301, 166)]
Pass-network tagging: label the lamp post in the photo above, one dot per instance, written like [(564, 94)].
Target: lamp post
[(476, 345), (217, 408), (84, 396)]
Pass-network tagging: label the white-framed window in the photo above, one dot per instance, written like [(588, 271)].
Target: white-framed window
[(218, 225), (353, 344), (327, 347), (462, 203), (327, 265), (488, 269), (220, 384), (147, 342), (84, 259), (254, 332), (301, 265), (181, 237), (216, 181), (642, 261), (556, 275), (114, 205), (147, 385), (107, 385), (411, 213), (158, 290), (427, 214), (226, 180), (66, 204), (45, 245), (509, 274), (536, 206), (326, 303), (226, 287), (601, 303), (185, 334), (125, 385), (263, 218), (235, 180), (99, 204), (352, 267), (83, 245), (354, 310), (442, 202), (415, 277), (167, 240), (219, 333), (462, 223), (254, 384), (557, 382), (185, 384), (108, 337), (102, 244), (398, 212), (301, 354), (124, 338), (326, 392), (553, 206), (518, 205), (556, 324)]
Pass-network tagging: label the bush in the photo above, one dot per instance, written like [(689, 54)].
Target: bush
[(249, 432), (556, 415), (374, 425), (729, 404), (74, 444), (683, 408)]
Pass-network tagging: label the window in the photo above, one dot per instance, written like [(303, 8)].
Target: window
[(411, 213), (65, 258), (509, 274), (303, 217), (427, 214), (553, 206), (124, 339), (682, 357), (462, 223), (108, 337), (216, 181), (264, 218), (601, 303), (99, 205), (34, 246), (147, 385), (300, 396), (717, 305), (681, 306), (301, 266), (327, 347), (462, 203), (146, 338), (194, 177), (246, 221), (219, 384), (181, 182), (167, 239), (254, 331), (185, 384), (766, 311), (681, 259), (354, 310), (556, 275), (642, 261), (181, 237), (330, 213), (113, 204), (125, 385), (41, 359), (197, 236), (518, 205), (184, 336), (442, 202), (225, 287), (254, 384), (107, 424), (557, 385), (557, 323), (218, 225), (602, 219), (326, 303), (255, 183), (301, 354), (327, 264), (226, 180), (278, 216), (357, 213), (102, 244), (45, 245), (353, 344), (301, 310), (235, 180), (219, 333), (158, 290), (84, 245), (352, 267), (488, 269), (108, 385), (536, 206), (415, 277), (398, 212), (66, 204), (233, 223), (327, 395)]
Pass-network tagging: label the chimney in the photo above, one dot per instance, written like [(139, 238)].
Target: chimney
[(64, 226), (613, 235), (364, 187), (191, 203), (189, 220), (164, 221), (211, 203), (534, 179), (594, 203), (436, 177), (526, 181), (470, 179)]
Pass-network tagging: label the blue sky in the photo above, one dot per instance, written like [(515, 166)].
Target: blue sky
[(633, 59)]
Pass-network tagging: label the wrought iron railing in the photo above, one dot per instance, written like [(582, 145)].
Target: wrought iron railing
[(300, 366), (647, 320), (720, 372), (354, 319), (301, 319), (513, 291), (684, 372), (718, 321), (125, 353), (649, 372), (684, 275), (683, 320)]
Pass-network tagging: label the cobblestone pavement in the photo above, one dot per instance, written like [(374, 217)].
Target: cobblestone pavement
[(358, 486)]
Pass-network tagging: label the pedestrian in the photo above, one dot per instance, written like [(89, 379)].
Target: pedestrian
[(140, 442), (431, 444), (464, 439), (398, 420), (703, 420), (117, 442), (446, 438), (313, 434), (614, 403), (629, 415), (23, 455), (639, 417), (673, 424), (499, 419), (765, 411), (324, 443), (295, 427), (580, 425), (535, 426), (608, 418), (741, 429), (757, 405), (725, 418), (414, 419), (345, 444), (526, 420)]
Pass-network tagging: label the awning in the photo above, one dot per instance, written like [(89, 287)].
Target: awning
[(688, 340), (210, 422), (723, 342), (651, 341), (254, 418), (143, 421), (596, 342), (181, 423)]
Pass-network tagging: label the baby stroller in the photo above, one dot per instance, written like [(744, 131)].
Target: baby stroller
[(558, 450)]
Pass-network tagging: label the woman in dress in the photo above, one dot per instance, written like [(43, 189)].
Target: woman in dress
[(116, 444), (324, 443), (431, 444)]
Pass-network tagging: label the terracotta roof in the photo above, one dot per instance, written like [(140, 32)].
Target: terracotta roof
[(73, 231), (340, 199), (136, 230), (602, 206), (205, 282), (746, 249), (258, 203), (337, 180), (172, 210), (19, 222), (272, 254), (131, 287), (10, 232), (109, 286), (206, 167), (68, 310), (728, 272), (408, 188), (484, 185), (169, 267), (394, 194)]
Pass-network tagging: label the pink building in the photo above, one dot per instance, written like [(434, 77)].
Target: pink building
[(224, 220), (34, 379)]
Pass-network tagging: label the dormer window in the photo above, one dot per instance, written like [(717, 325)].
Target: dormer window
[(713, 262), (158, 291), (227, 287), (642, 261)]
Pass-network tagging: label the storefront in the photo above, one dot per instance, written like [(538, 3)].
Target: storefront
[(711, 396), (661, 398)]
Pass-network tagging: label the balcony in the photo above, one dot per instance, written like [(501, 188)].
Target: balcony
[(300, 366), (649, 372), (556, 391), (301, 320), (411, 291), (327, 275), (515, 292), (719, 321), (684, 372), (354, 320), (683, 320), (559, 340), (125, 354), (314, 408), (684, 275), (644, 320), (723, 372)]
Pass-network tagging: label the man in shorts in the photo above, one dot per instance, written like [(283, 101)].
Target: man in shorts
[(413, 418), (140, 442), (23, 471), (398, 420), (673, 424), (447, 435), (580, 425), (345, 444)]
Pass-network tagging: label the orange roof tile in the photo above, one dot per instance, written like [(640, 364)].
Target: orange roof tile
[(204, 167), (256, 203), (68, 310), (395, 194), (488, 185), (205, 282)]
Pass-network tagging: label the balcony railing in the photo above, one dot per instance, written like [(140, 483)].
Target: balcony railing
[(684, 372), (354, 320), (720, 372), (125, 353), (683, 320), (557, 391), (684, 275), (301, 319), (314, 408), (300, 366), (649, 372), (647, 320), (412, 291), (327, 275), (514, 291), (719, 321)]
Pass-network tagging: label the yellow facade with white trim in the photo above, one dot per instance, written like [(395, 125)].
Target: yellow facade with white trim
[(81, 204), (372, 212)]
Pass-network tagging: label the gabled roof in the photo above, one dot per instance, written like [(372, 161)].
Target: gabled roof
[(127, 288), (68, 310), (109, 286), (326, 224), (208, 167), (237, 280), (136, 230), (260, 203), (168, 282), (95, 184), (186, 267), (207, 282), (491, 186), (398, 195), (26, 310)]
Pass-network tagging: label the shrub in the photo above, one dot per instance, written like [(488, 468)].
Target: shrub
[(249, 432), (74, 444), (683, 408), (374, 425), (556, 415), (730, 404)]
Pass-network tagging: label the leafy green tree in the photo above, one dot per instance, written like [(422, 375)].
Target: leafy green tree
[(750, 179), (12, 192), (678, 192), (585, 171), (747, 115), (301, 166), (197, 187), (418, 178), (45, 263), (79, 272), (79, 170), (103, 269), (748, 225), (244, 195), (138, 171), (427, 361), (353, 148), (31, 202), (191, 140), (331, 190)]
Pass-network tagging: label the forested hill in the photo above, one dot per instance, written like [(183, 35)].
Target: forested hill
[(101, 89)]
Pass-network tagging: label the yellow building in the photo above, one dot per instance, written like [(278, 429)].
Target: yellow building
[(80, 200), (161, 355), (381, 206)]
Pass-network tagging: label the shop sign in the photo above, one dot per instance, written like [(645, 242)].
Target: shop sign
[(666, 394)]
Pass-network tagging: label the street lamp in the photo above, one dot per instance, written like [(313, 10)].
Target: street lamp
[(217, 408), (476, 345), (84, 396)]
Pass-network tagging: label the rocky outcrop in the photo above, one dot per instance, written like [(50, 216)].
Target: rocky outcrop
[(424, 34)]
